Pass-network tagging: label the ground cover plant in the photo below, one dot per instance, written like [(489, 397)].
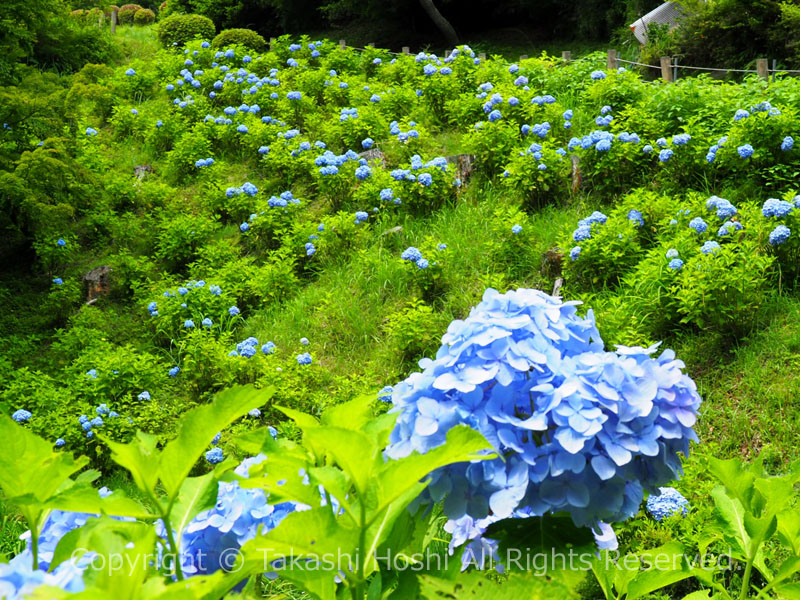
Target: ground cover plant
[(265, 308)]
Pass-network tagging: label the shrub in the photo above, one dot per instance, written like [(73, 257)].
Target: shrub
[(176, 30), (126, 13), (144, 16), (245, 37)]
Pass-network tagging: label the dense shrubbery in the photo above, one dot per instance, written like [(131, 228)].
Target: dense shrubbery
[(143, 16), (178, 29), (243, 37)]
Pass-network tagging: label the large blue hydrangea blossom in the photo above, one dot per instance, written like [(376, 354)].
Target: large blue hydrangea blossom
[(579, 429)]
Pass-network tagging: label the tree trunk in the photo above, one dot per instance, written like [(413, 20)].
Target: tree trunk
[(441, 23)]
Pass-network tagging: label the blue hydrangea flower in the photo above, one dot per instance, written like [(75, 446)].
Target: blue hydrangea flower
[(725, 210), (21, 415), (779, 235), (310, 249), (304, 359), (207, 322), (636, 216), (294, 95), (255, 413), (233, 311), (580, 430), (242, 128), (367, 143), (710, 247), (698, 225), (597, 75), (665, 155), (675, 264), (244, 227), (423, 263), (361, 216), (130, 72), (145, 395), (173, 372), (411, 254), (58, 281), (776, 208), (740, 114), (363, 172), (268, 348), (215, 456), (787, 143), (516, 229), (575, 253), (672, 253), (647, 148), (495, 115), (188, 324), (60, 442), (745, 151), (666, 503)]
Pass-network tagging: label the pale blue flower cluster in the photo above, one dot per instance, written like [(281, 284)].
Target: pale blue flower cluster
[(779, 235), (776, 208), (666, 503), (580, 430)]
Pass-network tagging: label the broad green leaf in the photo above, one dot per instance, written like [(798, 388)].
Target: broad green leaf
[(34, 470), (759, 530), (198, 427), (777, 493), (380, 428), (353, 451), (302, 419), (789, 591), (519, 539), (140, 457), (85, 498), (126, 548), (787, 570), (698, 595), (196, 495), (397, 476), (476, 584), (335, 482), (789, 529), (736, 477), (353, 414), (662, 566), (730, 517), (319, 584), (279, 477)]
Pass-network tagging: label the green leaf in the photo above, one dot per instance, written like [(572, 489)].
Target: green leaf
[(85, 498), (198, 427), (789, 529), (353, 451), (729, 515), (302, 419), (476, 584), (352, 415), (662, 566), (196, 495), (790, 591), (140, 457), (519, 539), (397, 476)]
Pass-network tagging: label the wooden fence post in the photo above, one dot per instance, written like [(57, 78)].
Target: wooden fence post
[(762, 68), (342, 44), (566, 56), (447, 53), (113, 21), (675, 69), (774, 68), (611, 62), (666, 68), (406, 50)]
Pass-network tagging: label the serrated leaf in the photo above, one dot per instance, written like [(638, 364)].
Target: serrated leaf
[(195, 495), (353, 451), (353, 414), (729, 515), (197, 428), (140, 458), (656, 573)]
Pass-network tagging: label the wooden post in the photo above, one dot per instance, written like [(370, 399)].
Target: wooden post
[(666, 68), (272, 44), (762, 68), (675, 69), (482, 56), (447, 53), (523, 57), (113, 21), (611, 63), (342, 44), (774, 68), (566, 56), (406, 50)]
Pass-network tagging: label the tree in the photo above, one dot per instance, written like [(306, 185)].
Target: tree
[(441, 23)]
